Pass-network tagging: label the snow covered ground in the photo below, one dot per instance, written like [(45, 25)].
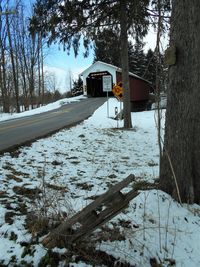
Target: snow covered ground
[(58, 176)]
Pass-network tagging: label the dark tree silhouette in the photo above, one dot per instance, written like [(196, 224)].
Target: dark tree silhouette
[(180, 165)]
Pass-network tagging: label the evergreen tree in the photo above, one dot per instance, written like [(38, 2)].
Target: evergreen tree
[(107, 47), (137, 61), (150, 70), (77, 88), (68, 22)]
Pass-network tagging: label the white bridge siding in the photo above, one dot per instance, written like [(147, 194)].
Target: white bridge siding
[(98, 67)]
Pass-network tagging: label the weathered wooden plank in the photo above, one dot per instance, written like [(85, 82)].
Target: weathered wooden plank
[(86, 220), (102, 198), (103, 217)]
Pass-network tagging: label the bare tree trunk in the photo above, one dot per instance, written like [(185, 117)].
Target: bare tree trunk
[(23, 75), (180, 165), (3, 87), (15, 81), (22, 39), (4, 91), (33, 60), (42, 77), (124, 62), (158, 77), (39, 70)]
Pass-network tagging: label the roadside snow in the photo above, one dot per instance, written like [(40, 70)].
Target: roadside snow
[(81, 162), (51, 106)]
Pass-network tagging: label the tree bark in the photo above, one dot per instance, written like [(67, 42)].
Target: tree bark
[(180, 162), (4, 90), (124, 62), (14, 70)]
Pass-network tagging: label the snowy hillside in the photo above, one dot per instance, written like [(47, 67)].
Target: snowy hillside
[(57, 176)]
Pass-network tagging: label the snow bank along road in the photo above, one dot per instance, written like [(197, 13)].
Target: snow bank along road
[(19, 131)]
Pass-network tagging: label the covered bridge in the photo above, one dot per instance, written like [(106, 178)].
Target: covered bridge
[(93, 85)]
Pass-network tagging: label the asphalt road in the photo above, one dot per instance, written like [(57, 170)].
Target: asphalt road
[(17, 132)]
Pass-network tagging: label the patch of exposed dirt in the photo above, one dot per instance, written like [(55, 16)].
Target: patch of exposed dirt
[(31, 193), (85, 186), (98, 258), (3, 194), (56, 187), (13, 177), (56, 163), (9, 217)]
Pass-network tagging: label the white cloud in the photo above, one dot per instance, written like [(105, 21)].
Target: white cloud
[(62, 77)]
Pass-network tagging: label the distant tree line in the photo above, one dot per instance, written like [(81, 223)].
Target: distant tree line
[(23, 82)]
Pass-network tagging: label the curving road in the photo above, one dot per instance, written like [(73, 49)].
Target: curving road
[(17, 132)]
